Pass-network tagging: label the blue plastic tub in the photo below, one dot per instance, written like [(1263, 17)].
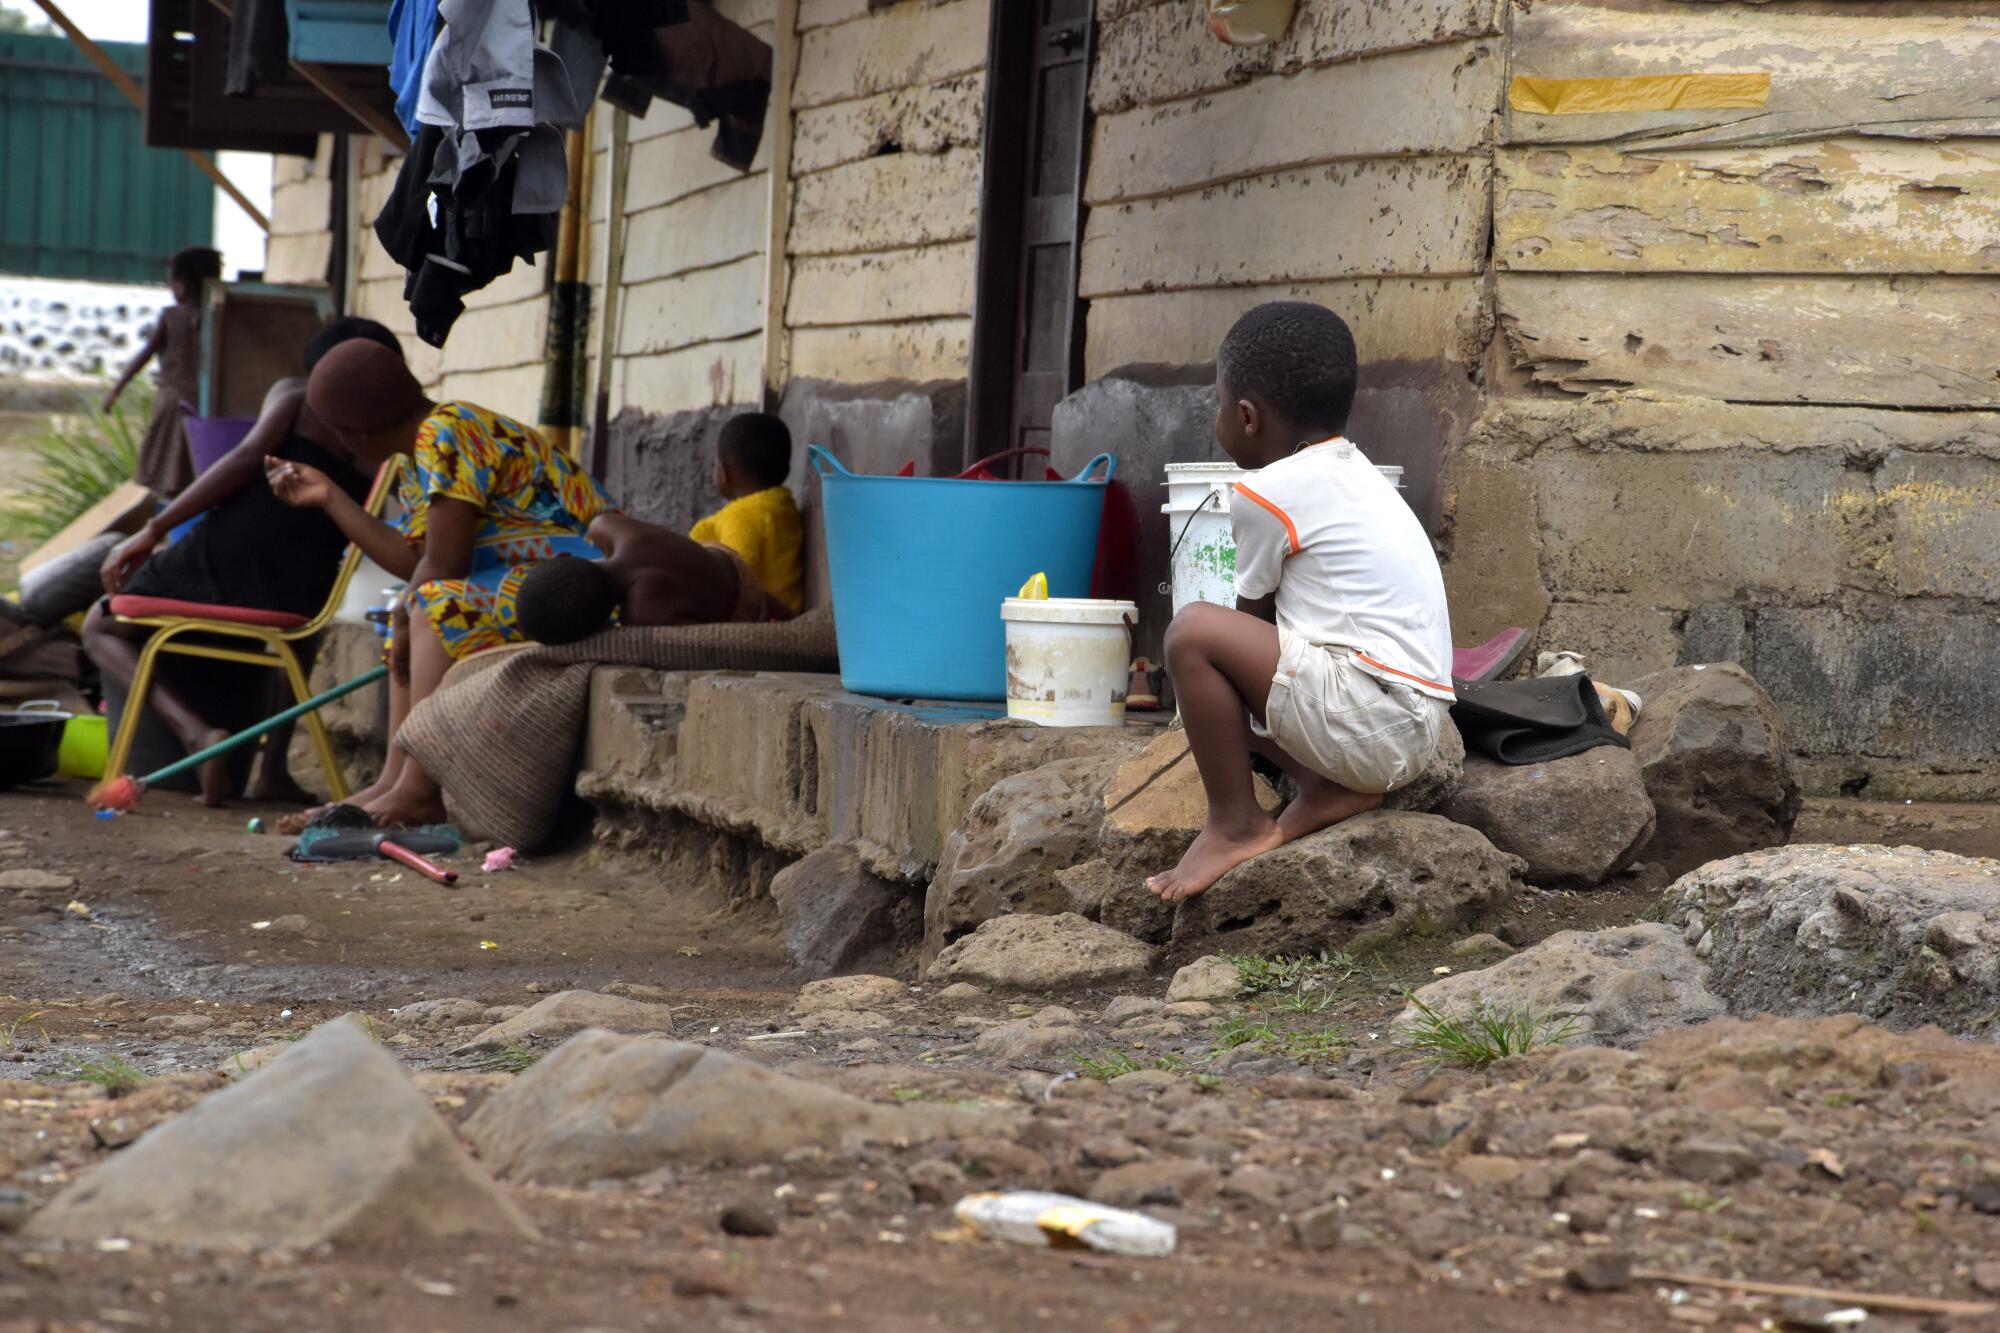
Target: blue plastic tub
[(920, 565)]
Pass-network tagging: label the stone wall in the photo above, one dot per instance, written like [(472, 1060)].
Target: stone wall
[(64, 330)]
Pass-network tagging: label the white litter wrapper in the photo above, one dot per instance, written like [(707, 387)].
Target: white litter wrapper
[(1063, 1222)]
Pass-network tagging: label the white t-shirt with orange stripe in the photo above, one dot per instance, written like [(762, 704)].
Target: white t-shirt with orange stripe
[(1350, 564)]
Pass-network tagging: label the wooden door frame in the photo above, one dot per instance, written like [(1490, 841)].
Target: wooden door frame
[(1004, 158)]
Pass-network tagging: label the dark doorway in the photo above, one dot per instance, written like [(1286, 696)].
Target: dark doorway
[(1027, 343)]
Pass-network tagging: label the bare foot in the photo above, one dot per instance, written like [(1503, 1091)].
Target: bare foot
[(413, 800), (214, 775), (401, 810), (1322, 804), (1214, 854)]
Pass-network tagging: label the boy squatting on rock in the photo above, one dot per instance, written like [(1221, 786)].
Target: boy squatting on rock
[(1336, 662), (743, 563)]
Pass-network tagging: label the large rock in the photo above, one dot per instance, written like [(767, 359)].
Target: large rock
[(838, 915), (1004, 858), (328, 1143), (1043, 953), (1716, 759), (1364, 881), (1620, 985), (1206, 978), (846, 994), (1155, 806), (1576, 821), (568, 1012), (605, 1106), (1103, 892), (1897, 935), (1440, 778)]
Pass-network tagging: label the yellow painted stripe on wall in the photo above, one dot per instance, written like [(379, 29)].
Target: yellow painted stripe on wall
[(1644, 92)]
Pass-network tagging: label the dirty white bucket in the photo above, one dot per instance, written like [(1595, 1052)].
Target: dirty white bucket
[(1068, 660), (1203, 568), (1197, 510)]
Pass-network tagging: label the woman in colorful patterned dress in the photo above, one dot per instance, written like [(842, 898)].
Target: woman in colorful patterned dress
[(483, 499)]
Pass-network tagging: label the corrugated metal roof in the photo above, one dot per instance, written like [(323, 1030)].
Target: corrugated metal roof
[(80, 195)]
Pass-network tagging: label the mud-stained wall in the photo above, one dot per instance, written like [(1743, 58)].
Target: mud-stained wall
[(691, 273), (1349, 163), (887, 111), (1736, 408)]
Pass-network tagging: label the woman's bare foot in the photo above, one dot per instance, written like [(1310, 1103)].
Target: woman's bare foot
[(1322, 804), (1214, 854), (413, 800), (401, 809)]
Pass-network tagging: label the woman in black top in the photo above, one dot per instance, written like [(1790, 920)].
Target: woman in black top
[(250, 550)]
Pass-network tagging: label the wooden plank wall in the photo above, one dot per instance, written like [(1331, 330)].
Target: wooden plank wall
[(1832, 246), (885, 189), (301, 217), (691, 306), (1349, 163)]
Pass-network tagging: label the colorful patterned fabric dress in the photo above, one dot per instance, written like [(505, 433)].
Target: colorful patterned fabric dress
[(534, 504)]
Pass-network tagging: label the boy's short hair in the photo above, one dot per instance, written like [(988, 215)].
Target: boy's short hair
[(196, 265), (1295, 356), (340, 330), (564, 599), (759, 446)]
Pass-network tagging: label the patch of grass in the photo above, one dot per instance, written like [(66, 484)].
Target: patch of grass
[(75, 461), (1311, 1048), (114, 1073), (1486, 1034), (1840, 1101), (1242, 1030), (1306, 1045), (1207, 1082), (907, 1094), (1303, 1002), (514, 1058), (1110, 1065), (19, 1033), (1257, 975), (1700, 1201)]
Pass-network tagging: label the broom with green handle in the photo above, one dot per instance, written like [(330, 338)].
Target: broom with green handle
[(123, 792)]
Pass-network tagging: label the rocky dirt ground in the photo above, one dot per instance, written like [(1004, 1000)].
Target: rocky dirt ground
[(1320, 1171)]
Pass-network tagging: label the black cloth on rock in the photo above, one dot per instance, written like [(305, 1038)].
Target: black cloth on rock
[(1532, 721), (254, 550)]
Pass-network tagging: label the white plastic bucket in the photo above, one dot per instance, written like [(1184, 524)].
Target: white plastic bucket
[(1068, 660), (1197, 510)]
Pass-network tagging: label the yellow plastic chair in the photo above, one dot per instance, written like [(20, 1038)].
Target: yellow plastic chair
[(274, 633)]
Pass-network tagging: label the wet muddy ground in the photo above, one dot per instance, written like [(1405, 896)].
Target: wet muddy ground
[(1320, 1174)]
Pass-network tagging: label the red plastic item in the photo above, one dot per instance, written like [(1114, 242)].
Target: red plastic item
[(1116, 574), (146, 608)]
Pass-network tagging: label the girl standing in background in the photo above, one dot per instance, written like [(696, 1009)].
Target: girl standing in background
[(165, 466)]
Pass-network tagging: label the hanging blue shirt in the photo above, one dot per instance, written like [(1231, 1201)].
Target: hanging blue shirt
[(413, 26)]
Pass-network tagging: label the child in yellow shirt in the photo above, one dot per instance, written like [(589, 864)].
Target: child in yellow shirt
[(753, 457), (743, 563)]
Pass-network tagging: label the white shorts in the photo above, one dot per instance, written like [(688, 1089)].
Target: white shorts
[(1347, 725)]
